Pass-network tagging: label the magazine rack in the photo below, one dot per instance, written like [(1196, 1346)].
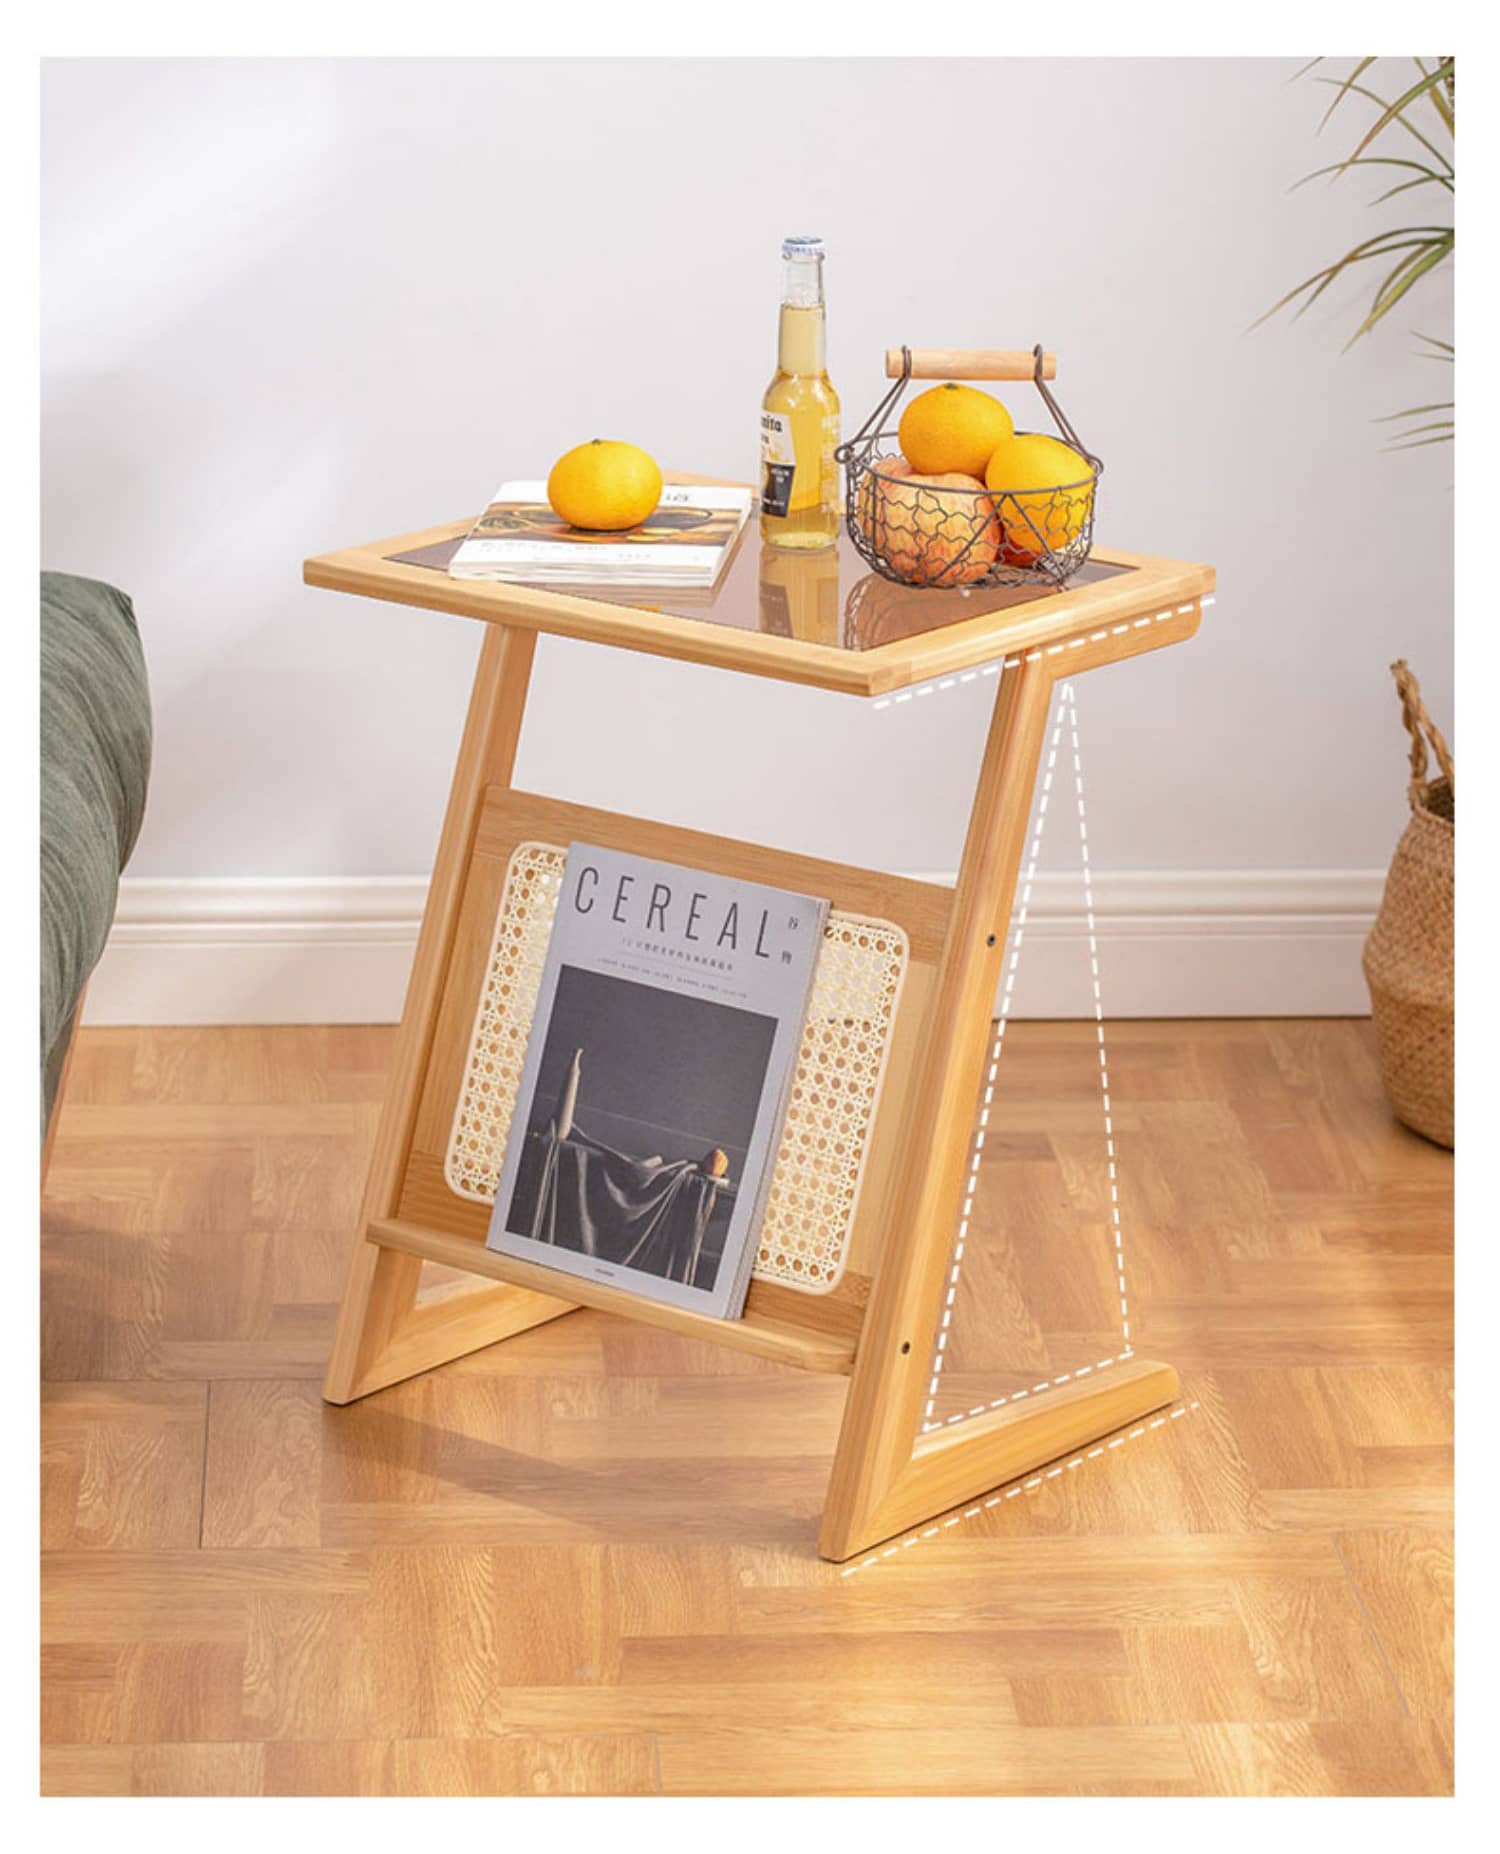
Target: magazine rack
[(879, 1322)]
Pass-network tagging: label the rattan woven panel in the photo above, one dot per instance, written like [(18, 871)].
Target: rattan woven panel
[(835, 1090)]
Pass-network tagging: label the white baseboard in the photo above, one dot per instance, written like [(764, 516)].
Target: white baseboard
[(1172, 943)]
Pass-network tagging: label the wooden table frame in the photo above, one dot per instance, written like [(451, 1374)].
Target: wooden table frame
[(888, 1473)]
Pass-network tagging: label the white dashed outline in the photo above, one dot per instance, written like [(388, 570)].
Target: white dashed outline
[(934, 684), (1067, 712), (1019, 1487)]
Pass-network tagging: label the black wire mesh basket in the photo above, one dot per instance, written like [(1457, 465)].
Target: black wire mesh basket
[(924, 531)]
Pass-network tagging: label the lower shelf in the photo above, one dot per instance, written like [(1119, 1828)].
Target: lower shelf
[(780, 1340)]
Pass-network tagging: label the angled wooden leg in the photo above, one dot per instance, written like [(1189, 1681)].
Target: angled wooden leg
[(885, 1475), (958, 1461), (383, 1334)]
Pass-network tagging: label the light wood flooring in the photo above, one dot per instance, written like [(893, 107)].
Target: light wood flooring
[(583, 1561)]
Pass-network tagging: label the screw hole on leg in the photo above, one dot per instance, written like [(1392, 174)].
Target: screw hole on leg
[(905, 1347), (989, 939)]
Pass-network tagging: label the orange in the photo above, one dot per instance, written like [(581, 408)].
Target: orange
[(1051, 495), (926, 536), (952, 427), (604, 485)]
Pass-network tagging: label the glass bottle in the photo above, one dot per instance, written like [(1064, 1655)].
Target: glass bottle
[(799, 418), (799, 594)]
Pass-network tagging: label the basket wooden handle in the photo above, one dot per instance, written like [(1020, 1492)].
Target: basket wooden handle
[(1423, 730), (970, 364)]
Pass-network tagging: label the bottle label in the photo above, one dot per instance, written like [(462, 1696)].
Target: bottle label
[(778, 459)]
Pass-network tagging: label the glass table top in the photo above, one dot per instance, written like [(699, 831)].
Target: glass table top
[(829, 597)]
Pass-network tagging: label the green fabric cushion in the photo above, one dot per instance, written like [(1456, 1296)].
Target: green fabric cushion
[(96, 756)]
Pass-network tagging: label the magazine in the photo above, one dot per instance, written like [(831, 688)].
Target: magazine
[(684, 542), (656, 1077)]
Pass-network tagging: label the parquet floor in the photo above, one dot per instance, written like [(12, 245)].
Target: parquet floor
[(584, 1560)]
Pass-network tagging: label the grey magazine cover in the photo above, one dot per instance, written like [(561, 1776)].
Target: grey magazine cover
[(655, 1084)]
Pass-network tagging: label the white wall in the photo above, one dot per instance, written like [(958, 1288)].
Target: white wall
[(291, 305)]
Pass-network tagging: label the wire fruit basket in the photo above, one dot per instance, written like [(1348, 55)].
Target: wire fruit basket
[(938, 532)]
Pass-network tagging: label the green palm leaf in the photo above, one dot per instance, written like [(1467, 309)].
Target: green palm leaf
[(1412, 251), (1442, 405), (1343, 89), (1405, 186), (1400, 281), (1442, 94), (1342, 167), (1404, 121), (1407, 238), (1424, 85)]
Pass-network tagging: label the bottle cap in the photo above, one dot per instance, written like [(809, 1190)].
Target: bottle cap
[(801, 247)]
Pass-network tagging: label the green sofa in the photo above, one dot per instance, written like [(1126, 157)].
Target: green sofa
[(96, 757)]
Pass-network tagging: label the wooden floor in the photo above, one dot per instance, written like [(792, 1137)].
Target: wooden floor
[(584, 1560)]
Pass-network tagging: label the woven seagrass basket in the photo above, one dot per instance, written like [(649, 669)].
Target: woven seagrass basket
[(1409, 955)]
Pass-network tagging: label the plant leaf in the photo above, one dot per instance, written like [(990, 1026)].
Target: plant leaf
[(1367, 248), (1405, 186), (1393, 111), (1405, 122), (1400, 280), (1343, 89), (1405, 273), (1341, 167), (1443, 405), (1316, 283), (1440, 99), (1416, 250)]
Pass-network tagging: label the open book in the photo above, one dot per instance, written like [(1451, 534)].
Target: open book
[(685, 541), (656, 1078)]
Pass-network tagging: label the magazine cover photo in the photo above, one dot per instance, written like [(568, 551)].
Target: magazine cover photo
[(641, 1122), (655, 1082)]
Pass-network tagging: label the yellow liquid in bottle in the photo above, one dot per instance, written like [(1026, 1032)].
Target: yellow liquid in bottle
[(799, 593), (800, 425)]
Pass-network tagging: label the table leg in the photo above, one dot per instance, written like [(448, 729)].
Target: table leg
[(886, 1476), (383, 1335)]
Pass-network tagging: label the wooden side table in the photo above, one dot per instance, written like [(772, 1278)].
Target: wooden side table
[(873, 1312)]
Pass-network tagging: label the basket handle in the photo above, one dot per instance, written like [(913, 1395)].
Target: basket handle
[(969, 364), (1420, 725)]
